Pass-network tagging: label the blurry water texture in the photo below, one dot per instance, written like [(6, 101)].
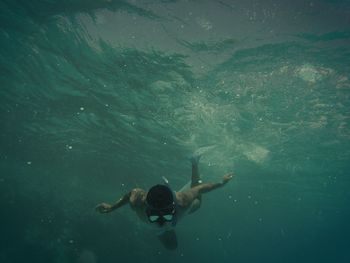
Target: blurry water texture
[(100, 96)]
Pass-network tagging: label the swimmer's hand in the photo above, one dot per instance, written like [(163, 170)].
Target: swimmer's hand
[(103, 208), (227, 178)]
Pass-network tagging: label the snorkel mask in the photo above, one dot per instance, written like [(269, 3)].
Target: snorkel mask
[(161, 205)]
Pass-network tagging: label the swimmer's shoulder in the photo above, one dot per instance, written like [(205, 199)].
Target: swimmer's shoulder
[(137, 197), (136, 191)]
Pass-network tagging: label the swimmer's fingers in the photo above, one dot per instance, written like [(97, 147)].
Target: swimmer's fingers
[(103, 208), (227, 177), (230, 175)]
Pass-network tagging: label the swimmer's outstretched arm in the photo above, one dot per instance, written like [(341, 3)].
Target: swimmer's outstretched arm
[(106, 208), (207, 187)]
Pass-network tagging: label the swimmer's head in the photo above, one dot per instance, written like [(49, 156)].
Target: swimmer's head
[(161, 206)]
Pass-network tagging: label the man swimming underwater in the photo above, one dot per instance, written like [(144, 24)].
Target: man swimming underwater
[(164, 207)]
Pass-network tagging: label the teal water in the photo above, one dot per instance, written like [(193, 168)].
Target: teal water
[(98, 97)]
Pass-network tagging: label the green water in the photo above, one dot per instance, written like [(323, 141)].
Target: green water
[(99, 97)]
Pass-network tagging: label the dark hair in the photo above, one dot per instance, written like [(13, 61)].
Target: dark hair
[(160, 196)]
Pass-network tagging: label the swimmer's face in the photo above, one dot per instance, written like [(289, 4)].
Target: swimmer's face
[(161, 223), (161, 217)]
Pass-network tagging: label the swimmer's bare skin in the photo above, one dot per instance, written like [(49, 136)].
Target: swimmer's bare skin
[(188, 200)]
